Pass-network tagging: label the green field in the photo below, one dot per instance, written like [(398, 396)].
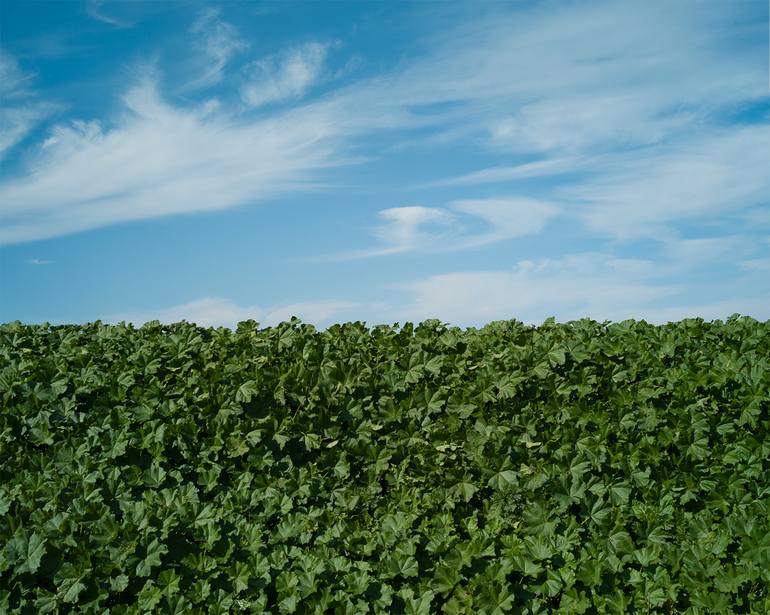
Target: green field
[(582, 467)]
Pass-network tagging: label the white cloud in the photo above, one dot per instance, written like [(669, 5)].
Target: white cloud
[(39, 261), (13, 81), (218, 312), (569, 82), (577, 77), (538, 168), (156, 160), (17, 122), (693, 253), (646, 193), (756, 307), (94, 10), (286, 76), (507, 218), (405, 227), (591, 285), (586, 86), (20, 111), (317, 313), (412, 228), (756, 264), (219, 41)]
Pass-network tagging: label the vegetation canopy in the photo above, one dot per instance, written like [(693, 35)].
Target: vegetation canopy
[(582, 467)]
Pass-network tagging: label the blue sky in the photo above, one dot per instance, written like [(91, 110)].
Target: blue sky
[(384, 161)]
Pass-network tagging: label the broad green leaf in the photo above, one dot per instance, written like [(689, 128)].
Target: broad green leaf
[(537, 548), (149, 596), (154, 552), (599, 512), (419, 605), (464, 489), (246, 391), (342, 469), (645, 556), (621, 542), (579, 469), (70, 590), (26, 551), (557, 356), (445, 578), (502, 479), (526, 566), (5, 502), (619, 494), (45, 603), (657, 535), (119, 583), (433, 366), (403, 565)]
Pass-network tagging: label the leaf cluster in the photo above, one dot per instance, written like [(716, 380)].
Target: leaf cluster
[(581, 467)]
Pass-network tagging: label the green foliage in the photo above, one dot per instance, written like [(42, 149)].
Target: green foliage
[(570, 468)]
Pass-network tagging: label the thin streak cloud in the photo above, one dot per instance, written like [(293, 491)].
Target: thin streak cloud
[(157, 160)]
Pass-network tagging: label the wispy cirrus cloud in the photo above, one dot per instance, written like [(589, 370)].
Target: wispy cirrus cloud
[(220, 312), (14, 82), (622, 126), (285, 76), (561, 78), (595, 285), (715, 174), (219, 41), (406, 228), (506, 218), (159, 159), (39, 261), (575, 88), (691, 253), (418, 228), (756, 264), (711, 178), (582, 90), (20, 109), (500, 174), (585, 285), (17, 122), (95, 10)]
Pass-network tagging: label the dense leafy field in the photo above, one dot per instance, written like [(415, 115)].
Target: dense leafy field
[(571, 468)]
